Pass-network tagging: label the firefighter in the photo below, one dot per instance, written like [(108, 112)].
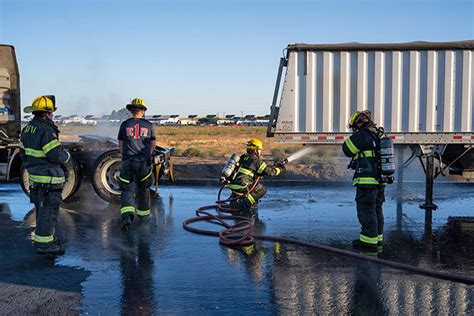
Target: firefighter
[(136, 143), (251, 167), (362, 147), (43, 156)]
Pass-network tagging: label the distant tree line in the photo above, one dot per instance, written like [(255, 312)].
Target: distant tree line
[(208, 120), (121, 114)]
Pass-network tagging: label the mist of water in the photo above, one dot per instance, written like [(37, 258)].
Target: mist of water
[(300, 154)]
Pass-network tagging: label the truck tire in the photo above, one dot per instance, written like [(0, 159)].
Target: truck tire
[(72, 173), (105, 175)]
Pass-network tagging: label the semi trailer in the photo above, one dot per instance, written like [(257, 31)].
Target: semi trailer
[(94, 158), (420, 92)]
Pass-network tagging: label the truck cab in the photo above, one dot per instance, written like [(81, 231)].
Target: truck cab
[(10, 114), (94, 158)]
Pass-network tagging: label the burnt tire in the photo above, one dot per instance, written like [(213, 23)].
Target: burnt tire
[(104, 176), (72, 172)]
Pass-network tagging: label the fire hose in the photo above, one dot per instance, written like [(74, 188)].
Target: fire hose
[(241, 233)]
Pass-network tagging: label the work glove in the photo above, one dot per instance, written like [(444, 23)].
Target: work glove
[(280, 165)]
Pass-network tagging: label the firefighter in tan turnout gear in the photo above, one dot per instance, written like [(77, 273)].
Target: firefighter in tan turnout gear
[(43, 156), (363, 146), (136, 142), (250, 167)]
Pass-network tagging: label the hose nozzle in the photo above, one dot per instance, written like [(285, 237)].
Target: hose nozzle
[(281, 163)]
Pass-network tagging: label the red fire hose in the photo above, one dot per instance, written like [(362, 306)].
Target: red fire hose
[(241, 233)]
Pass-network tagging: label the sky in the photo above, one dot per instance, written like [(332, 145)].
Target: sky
[(196, 57)]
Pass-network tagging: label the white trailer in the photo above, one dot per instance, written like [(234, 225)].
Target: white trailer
[(420, 92)]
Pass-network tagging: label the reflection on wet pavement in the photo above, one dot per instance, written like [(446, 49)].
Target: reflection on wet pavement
[(159, 268)]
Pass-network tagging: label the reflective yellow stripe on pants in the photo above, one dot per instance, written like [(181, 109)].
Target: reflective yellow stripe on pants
[(43, 239), (365, 180), (127, 209), (143, 212), (46, 179), (368, 240)]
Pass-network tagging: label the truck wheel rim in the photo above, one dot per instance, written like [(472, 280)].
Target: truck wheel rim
[(109, 176)]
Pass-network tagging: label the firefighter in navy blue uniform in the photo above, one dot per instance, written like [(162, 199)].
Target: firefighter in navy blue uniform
[(136, 142), (43, 156), (362, 146), (251, 166)]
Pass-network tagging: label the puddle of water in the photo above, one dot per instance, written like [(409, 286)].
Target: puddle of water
[(160, 268)]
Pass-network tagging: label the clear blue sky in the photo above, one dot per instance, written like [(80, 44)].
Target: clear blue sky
[(196, 57)]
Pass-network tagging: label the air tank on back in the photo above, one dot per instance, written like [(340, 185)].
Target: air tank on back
[(230, 166), (387, 158)]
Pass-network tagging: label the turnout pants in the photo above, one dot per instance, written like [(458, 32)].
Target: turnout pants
[(369, 199), (248, 201), (135, 181), (47, 200)]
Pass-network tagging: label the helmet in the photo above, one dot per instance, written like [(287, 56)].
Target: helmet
[(137, 103), (254, 144), (44, 103), (359, 119)]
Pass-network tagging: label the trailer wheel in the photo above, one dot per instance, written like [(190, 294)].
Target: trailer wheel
[(105, 175), (72, 172)]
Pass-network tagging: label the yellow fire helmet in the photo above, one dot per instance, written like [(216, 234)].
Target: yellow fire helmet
[(359, 118), (137, 103), (44, 103), (255, 143)]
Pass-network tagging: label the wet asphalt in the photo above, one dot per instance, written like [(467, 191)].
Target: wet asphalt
[(158, 268)]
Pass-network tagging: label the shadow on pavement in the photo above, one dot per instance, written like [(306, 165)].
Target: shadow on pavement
[(30, 283)]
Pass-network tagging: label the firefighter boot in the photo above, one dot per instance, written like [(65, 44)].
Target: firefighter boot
[(360, 245), (127, 220), (250, 211), (54, 248), (254, 212)]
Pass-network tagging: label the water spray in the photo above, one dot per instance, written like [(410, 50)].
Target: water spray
[(295, 156), (299, 154)]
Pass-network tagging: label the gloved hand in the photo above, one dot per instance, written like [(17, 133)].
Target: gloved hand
[(280, 165)]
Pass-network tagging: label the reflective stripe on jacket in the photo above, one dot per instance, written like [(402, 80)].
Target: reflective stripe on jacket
[(42, 152), (251, 166), (361, 146)]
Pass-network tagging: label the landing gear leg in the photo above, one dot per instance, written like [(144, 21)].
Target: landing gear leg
[(400, 167), (429, 206)]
